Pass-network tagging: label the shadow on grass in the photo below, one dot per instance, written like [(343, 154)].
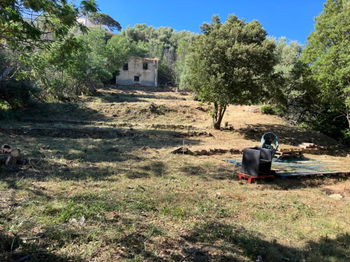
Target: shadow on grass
[(208, 171), (140, 88), (76, 158), (289, 135), (305, 182), (134, 94), (62, 111), (110, 97), (220, 242), (13, 249), (153, 138)]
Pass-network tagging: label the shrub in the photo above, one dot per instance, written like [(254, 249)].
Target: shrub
[(16, 94), (269, 110)]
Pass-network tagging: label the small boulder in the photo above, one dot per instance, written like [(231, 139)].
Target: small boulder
[(336, 196)]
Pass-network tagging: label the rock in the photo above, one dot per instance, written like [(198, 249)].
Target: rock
[(13, 157), (336, 196), (113, 149), (73, 221), (259, 259), (82, 221), (182, 150), (202, 109), (235, 151)]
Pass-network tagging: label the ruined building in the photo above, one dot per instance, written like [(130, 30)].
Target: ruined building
[(139, 71)]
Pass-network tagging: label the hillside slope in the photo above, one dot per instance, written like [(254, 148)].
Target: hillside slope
[(102, 185)]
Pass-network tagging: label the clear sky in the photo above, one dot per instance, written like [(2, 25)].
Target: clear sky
[(293, 19)]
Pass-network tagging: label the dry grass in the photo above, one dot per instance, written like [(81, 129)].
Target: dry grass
[(114, 192)]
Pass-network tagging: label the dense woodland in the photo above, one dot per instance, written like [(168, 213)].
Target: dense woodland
[(46, 56)]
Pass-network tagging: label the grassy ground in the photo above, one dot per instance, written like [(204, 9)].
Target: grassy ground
[(103, 186)]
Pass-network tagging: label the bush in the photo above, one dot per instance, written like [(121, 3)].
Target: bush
[(272, 110), (346, 139), (16, 94), (268, 110)]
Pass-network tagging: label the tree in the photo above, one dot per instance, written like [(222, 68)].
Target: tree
[(293, 92), (60, 56), (120, 48), (63, 76), (328, 55), (164, 43), (106, 20), (230, 63), (184, 41), (32, 23)]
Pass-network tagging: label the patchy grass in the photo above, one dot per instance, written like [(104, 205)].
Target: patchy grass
[(103, 186)]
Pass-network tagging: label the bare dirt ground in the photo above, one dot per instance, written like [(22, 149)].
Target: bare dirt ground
[(103, 186)]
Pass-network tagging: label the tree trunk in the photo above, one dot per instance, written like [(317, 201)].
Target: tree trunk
[(218, 115)]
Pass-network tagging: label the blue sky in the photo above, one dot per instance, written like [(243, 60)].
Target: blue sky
[(293, 19)]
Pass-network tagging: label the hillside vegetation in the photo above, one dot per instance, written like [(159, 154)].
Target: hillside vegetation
[(102, 185)]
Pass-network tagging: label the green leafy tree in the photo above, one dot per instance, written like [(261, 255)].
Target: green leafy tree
[(62, 75), (164, 43), (61, 57), (328, 55), (28, 28), (106, 20), (184, 41), (294, 92), (120, 48), (230, 63), (32, 23)]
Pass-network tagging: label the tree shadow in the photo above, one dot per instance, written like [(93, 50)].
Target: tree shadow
[(134, 244), (85, 158), (13, 249), (221, 242), (316, 181), (135, 97), (140, 88), (62, 111), (111, 97), (168, 138), (208, 171), (158, 168), (289, 135)]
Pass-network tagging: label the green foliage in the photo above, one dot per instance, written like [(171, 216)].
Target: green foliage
[(92, 62), (120, 48), (167, 45), (328, 122), (165, 75), (54, 54), (184, 42), (230, 63), (61, 75), (106, 20), (272, 110), (16, 94), (13, 93), (30, 23), (293, 89), (328, 55)]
